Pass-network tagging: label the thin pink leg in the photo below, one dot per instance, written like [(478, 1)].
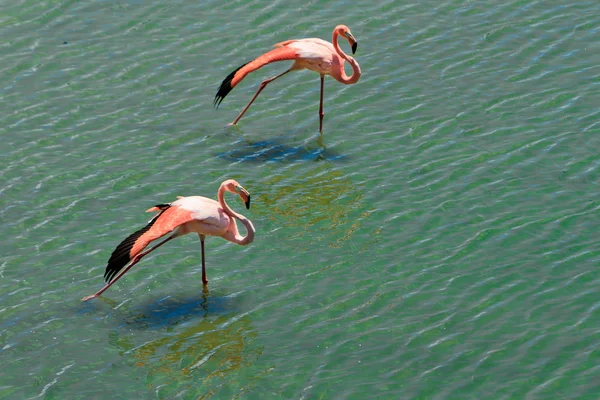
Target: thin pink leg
[(321, 113), (260, 88), (135, 260), (204, 278)]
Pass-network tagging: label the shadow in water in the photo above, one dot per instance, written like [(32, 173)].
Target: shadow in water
[(172, 310), (274, 150), (165, 311)]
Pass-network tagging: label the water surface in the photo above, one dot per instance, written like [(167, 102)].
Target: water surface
[(438, 241)]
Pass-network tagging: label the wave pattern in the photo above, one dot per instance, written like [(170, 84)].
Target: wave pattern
[(438, 241)]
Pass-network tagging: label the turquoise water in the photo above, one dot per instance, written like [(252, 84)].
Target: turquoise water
[(437, 241)]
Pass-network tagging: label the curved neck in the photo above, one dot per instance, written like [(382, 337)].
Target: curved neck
[(236, 237), (355, 67)]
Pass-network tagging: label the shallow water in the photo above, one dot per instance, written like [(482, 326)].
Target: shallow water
[(438, 241)]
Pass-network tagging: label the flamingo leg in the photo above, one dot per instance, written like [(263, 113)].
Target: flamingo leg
[(321, 113), (135, 260), (204, 278), (260, 88)]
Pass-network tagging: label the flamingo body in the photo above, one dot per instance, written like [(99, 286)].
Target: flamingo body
[(314, 54), (193, 214)]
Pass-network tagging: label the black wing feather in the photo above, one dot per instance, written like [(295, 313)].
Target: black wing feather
[(225, 87), (120, 256)]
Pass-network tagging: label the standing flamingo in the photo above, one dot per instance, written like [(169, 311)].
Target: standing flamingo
[(314, 54), (186, 215)]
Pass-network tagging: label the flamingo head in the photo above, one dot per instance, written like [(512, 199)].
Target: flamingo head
[(344, 31), (233, 186)]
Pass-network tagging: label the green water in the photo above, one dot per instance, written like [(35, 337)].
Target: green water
[(438, 241)]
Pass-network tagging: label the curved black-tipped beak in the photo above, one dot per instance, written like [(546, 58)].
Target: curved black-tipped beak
[(245, 196), (354, 47)]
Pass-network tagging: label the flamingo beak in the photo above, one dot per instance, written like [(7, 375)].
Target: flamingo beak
[(352, 42), (245, 197)]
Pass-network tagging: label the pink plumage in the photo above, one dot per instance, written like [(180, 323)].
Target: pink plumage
[(314, 54), (194, 214)]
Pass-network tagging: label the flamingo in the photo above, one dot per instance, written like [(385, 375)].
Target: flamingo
[(315, 54), (198, 214)]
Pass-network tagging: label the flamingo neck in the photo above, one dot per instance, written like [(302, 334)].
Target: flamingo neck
[(250, 231), (348, 80)]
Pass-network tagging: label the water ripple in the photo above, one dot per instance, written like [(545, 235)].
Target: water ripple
[(441, 230)]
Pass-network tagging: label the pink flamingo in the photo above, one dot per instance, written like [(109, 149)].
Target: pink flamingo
[(314, 54), (197, 214)]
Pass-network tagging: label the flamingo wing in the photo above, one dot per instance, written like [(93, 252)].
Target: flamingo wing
[(169, 218), (234, 78)]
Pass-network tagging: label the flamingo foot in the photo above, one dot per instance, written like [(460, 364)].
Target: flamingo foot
[(86, 298)]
